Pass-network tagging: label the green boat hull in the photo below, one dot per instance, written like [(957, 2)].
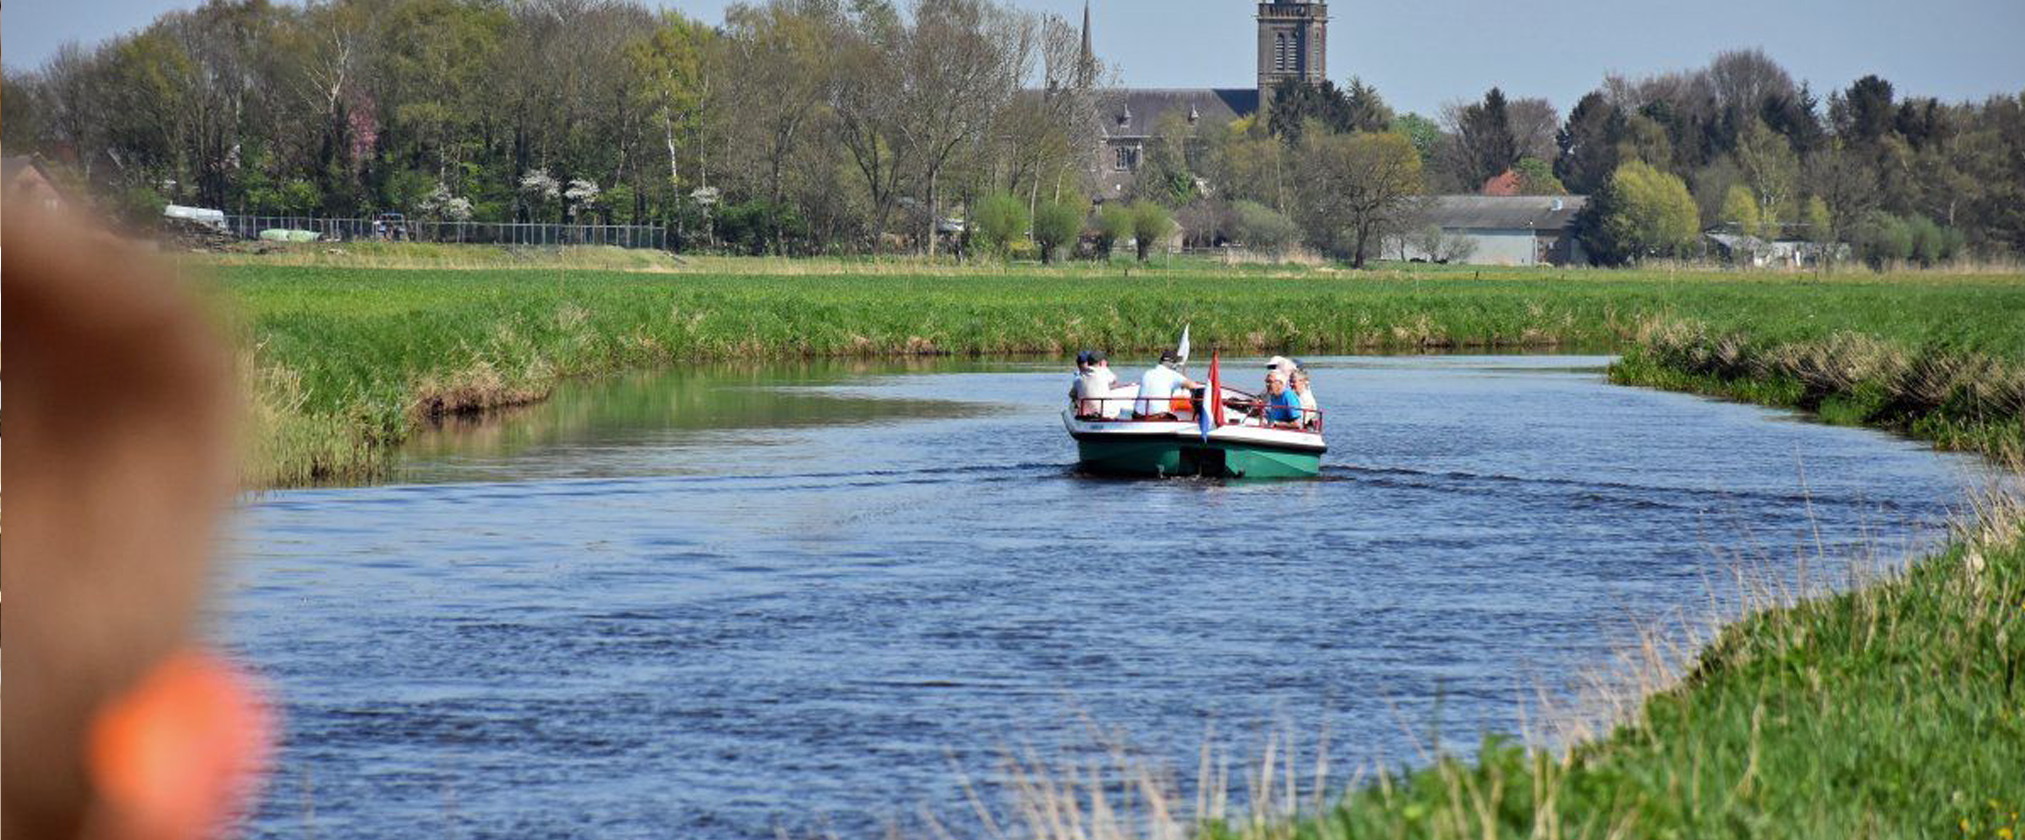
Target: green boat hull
[(1160, 457)]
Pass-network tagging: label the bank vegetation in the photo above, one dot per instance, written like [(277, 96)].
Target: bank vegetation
[(346, 362)]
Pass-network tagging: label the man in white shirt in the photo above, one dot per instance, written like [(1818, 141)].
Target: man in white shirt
[(1157, 388), (1093, 384)]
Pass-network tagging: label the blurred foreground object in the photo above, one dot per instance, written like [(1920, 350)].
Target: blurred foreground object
[(118, 724)]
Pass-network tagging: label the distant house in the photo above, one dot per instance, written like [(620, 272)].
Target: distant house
[(1494, 230), (23, 178), (1742, 249), (1132, 116)]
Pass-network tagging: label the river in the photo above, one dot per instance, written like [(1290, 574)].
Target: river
[(714, 602)]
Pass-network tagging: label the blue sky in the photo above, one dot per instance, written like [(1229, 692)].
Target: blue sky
[(1426, 52)]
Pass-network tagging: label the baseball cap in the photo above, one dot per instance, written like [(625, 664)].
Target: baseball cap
[(1168, 356)]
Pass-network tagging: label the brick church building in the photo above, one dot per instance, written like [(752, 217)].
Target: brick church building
[(1293, 44)]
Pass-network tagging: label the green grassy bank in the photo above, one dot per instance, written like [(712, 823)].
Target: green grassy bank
[(346, 361), (1896, 710)]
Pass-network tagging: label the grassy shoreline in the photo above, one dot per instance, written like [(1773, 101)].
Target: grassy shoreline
[(1896, 709), (346, 362)]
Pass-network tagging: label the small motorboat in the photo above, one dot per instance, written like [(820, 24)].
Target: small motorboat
[(1111, 442)]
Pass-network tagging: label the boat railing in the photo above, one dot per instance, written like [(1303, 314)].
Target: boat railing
[(1250, 411)]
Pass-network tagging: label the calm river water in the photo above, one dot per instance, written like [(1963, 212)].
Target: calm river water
[(713, 602)]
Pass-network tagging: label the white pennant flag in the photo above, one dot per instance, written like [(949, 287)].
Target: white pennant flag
[(1182, 350)]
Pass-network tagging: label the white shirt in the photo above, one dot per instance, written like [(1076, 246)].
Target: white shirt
[(1094, 383), (1156, 388), (1308, 415)]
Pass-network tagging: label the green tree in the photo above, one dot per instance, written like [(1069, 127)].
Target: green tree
[(1056, 223), (1485, 144), (1588, 144), (1931, 244), (999, 220), (1740, 208), (1364, 109), (1114, 224), (1263, 228), (1536, 177), (1864, 113), (1881, 239), (1355, 188), (1814, 218), (1771, 170), (1293, 105), (1150, 224), (1642, 212)]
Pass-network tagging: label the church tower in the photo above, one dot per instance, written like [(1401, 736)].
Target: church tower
[(1293, 42)]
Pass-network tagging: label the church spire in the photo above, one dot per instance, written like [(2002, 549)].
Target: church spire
[(1086, 62)]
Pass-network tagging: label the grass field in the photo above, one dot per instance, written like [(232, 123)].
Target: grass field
[(347, 360)]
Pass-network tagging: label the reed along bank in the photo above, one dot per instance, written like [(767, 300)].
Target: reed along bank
[(345, 362)]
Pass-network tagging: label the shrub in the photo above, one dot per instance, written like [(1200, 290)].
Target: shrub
[(998, 220), (1932, 243), (1114, 222), (1262, 228), (1055, 223), (1150, 222), (1881, 238)]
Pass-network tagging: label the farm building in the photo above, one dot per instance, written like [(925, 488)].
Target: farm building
[(1745, 250), (1493, 230)]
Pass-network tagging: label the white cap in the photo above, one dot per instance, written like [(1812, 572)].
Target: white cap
[(1281, 364)]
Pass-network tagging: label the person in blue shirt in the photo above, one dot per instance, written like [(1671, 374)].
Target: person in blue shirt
[(1283, 406)]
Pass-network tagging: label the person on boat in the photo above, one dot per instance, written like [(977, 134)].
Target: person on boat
[(1311, 416), (1283, 406), (1159, 386), (1076, 383), (1093, 384)]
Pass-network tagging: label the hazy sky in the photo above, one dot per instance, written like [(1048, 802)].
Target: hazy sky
[(1425, 52)]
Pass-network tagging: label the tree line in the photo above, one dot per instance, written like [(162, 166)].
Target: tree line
[(791, 126), (853, 126)]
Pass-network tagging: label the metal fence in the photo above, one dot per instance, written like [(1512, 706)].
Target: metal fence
[(475, 233)]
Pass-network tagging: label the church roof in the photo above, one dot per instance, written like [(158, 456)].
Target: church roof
[(1135, 112), (1503, 212)]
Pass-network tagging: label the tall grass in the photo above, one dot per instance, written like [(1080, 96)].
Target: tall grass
[(1896, 709), (1958, 396), (375, 351)]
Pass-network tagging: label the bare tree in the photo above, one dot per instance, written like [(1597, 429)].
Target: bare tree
[(1356, 188), (1745, 79), (964, 62), (866, 95), (1534, 124), (778, 64)]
